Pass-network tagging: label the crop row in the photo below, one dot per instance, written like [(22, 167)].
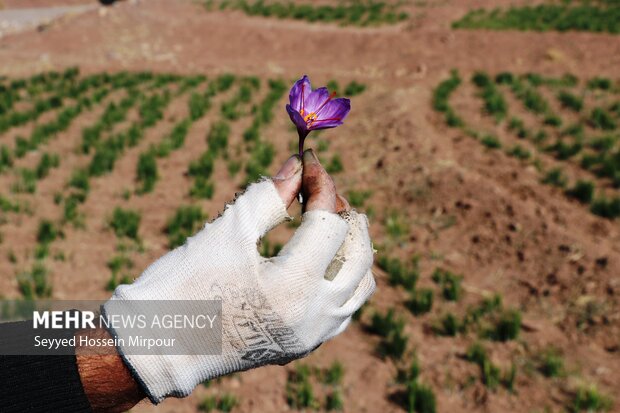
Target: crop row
[(358, 13), (15, 118), (19, 89), (568, 15)]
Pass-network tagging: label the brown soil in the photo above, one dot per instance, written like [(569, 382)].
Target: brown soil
[(479, 213)]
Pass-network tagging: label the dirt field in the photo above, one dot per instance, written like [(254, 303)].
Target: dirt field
[(476, 212)]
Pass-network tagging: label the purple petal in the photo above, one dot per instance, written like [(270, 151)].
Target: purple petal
[(332, 114), (315, 100), (297, 119), (299, 92), (326, 124)]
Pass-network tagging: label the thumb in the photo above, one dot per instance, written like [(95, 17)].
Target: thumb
[(288, 180)]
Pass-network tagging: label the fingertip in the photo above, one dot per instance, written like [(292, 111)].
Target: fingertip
[(288, 180), (318, 187)]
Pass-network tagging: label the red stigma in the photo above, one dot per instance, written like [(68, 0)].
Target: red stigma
[(330, 97)]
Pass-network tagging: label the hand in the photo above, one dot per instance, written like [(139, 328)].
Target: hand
[(316, 184), (296, 300)]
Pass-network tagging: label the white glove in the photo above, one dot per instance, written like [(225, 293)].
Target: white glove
[(295, 301)]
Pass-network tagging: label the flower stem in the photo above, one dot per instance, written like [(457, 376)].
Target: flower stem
[(301, 146), (302, 138)]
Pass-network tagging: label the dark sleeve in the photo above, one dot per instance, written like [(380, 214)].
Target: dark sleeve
[(40, 383)]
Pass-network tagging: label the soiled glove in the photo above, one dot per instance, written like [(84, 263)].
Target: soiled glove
[(293, 302)]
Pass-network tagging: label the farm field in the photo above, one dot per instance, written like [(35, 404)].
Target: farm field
[(561, 127), (488, 163)]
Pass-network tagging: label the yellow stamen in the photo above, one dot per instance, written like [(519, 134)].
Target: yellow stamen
[(310, 117)]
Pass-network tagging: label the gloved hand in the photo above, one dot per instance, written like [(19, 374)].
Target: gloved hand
[(294, 301)]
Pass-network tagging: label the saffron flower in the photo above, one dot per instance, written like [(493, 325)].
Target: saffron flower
[(314, 109)]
